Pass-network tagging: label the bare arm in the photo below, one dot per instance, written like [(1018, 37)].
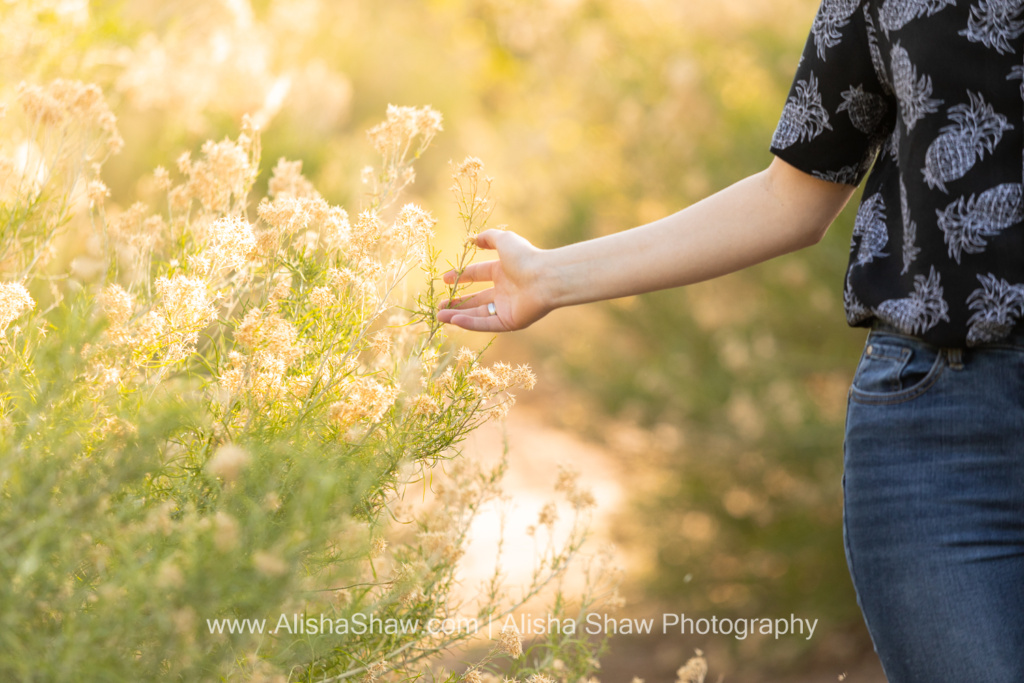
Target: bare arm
[(774, 212)]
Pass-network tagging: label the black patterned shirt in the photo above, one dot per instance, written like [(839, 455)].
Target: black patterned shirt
[(929, 95)]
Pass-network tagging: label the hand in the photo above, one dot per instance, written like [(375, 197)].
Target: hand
[(516, 291)]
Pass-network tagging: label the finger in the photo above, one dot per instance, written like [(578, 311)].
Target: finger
[(488, 239), (475, 272), (480, 309), (481, 298), (478, 320), (445, 315)]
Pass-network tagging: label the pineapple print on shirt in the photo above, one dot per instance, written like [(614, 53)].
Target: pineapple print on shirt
[(871, 229), (910, 248), (804, 117), (997, 306), (967, 222), (976, 128), (914, 93), (856, 312), (895, 14), (995, 24), (929, 96), (922, 310), (834, 15), (866, 109), (875, 50)]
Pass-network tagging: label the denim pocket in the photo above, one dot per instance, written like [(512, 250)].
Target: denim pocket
[(895, 368)]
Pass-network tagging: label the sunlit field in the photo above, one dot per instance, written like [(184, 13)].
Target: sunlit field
[(235, 442)]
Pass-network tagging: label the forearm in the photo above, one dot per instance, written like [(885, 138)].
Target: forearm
[(766, 215)]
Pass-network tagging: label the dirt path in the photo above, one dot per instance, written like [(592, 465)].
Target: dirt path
[(535, 452)]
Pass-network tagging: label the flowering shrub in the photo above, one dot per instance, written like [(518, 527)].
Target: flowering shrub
[(221, 423)]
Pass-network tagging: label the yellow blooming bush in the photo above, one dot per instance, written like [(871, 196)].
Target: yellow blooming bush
[(220, 423)]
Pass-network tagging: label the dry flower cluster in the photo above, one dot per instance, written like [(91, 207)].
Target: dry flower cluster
[(64, 133), (14, 300), (694, 671)]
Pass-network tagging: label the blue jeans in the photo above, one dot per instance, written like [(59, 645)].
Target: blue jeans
[(933, 517)]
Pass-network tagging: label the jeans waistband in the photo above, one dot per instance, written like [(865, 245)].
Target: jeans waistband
[(1015, 338)]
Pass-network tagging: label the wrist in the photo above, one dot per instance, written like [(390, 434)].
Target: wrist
[(547, 279)]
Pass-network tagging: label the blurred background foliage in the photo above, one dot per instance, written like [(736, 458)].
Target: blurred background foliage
[(724, 400)]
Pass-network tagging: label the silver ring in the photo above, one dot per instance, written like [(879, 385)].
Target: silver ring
[(491, 310)]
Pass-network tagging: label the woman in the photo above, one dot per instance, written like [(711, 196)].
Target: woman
[(928, 95)]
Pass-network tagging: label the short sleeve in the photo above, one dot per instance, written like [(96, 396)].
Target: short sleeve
[(839, 110)]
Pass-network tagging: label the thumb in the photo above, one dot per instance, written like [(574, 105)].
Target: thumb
[(502, 240)]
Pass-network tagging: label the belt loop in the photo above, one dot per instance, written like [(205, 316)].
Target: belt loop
[(955, 358)]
